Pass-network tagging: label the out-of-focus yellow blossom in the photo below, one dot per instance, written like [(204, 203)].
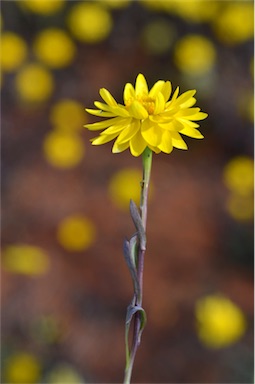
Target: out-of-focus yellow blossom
[(235, 23), (238, 175), (89, 23), (158, 36), (54, 48), (115, 3), (125, 185), (34, 83), (194, 55), (22, 368), (147, 118), (13, 51), (67, 115), (63, 149), (197, 10), (241, 208), (76, 233), (25, 259), (64, 374), (43, 7), (220, 322)]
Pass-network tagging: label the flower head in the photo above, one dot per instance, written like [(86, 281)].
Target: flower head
[(148, 118)]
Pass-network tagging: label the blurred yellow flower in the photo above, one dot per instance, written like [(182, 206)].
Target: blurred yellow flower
[(197, 10), (64, 374), (235, 24), (158, 36), (76, 233), (125, 185), (240, 207), (67, 115), (34, 83), (54, 48), (147, 118), (89, 23), (13, 51), (63, 149), (238, 175), (22, 368), (43, 7), (25, 259), (194, 55), (220, 322)]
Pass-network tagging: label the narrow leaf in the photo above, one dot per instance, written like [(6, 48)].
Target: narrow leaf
[(138, 224)]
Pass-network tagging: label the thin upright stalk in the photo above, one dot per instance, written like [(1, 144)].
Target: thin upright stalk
[(147, 162)]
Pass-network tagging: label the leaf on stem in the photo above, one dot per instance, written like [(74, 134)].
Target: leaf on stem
[(131, 311), (130, 260), (137, 220)]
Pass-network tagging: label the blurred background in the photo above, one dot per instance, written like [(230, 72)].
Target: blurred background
[(65, 285)]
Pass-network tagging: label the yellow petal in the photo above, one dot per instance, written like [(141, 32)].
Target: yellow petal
[(188, 113), (166, 142), (107, 97), (167, 90), (151, 133), (137, 144), (114, 129), (129, 93), (192, 132), (185, 97), (128, 132), (159, 103), (177, 141), (100, 113), (200, 116), (103, 139), (104, 124), (117, 148), (141, 87), (137, 111), (157, 87)]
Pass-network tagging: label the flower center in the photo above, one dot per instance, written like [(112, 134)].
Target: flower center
[(148, 103)]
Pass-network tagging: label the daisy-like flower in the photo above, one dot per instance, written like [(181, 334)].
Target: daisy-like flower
[(147, 118)]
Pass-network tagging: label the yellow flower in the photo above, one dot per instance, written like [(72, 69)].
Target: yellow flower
[(34, 83), (76, 233), (13, 51), (220, 322), (148, 118), (54, 48), (22, 368), (25, 259)]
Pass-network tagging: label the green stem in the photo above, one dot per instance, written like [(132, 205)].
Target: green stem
[(147, 162)]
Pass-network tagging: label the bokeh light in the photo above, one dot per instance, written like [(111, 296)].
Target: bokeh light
[(34, 83), (42, 7), (67, 115), (25, 259), (220, 322), (64, 374), (125, 185), (194, 54), (238, 175), (13, 51), (63, 149), (89, 23), (197, 10), (22, 368), (240, 207), (54, 48), (76, 233), (235, 23)]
